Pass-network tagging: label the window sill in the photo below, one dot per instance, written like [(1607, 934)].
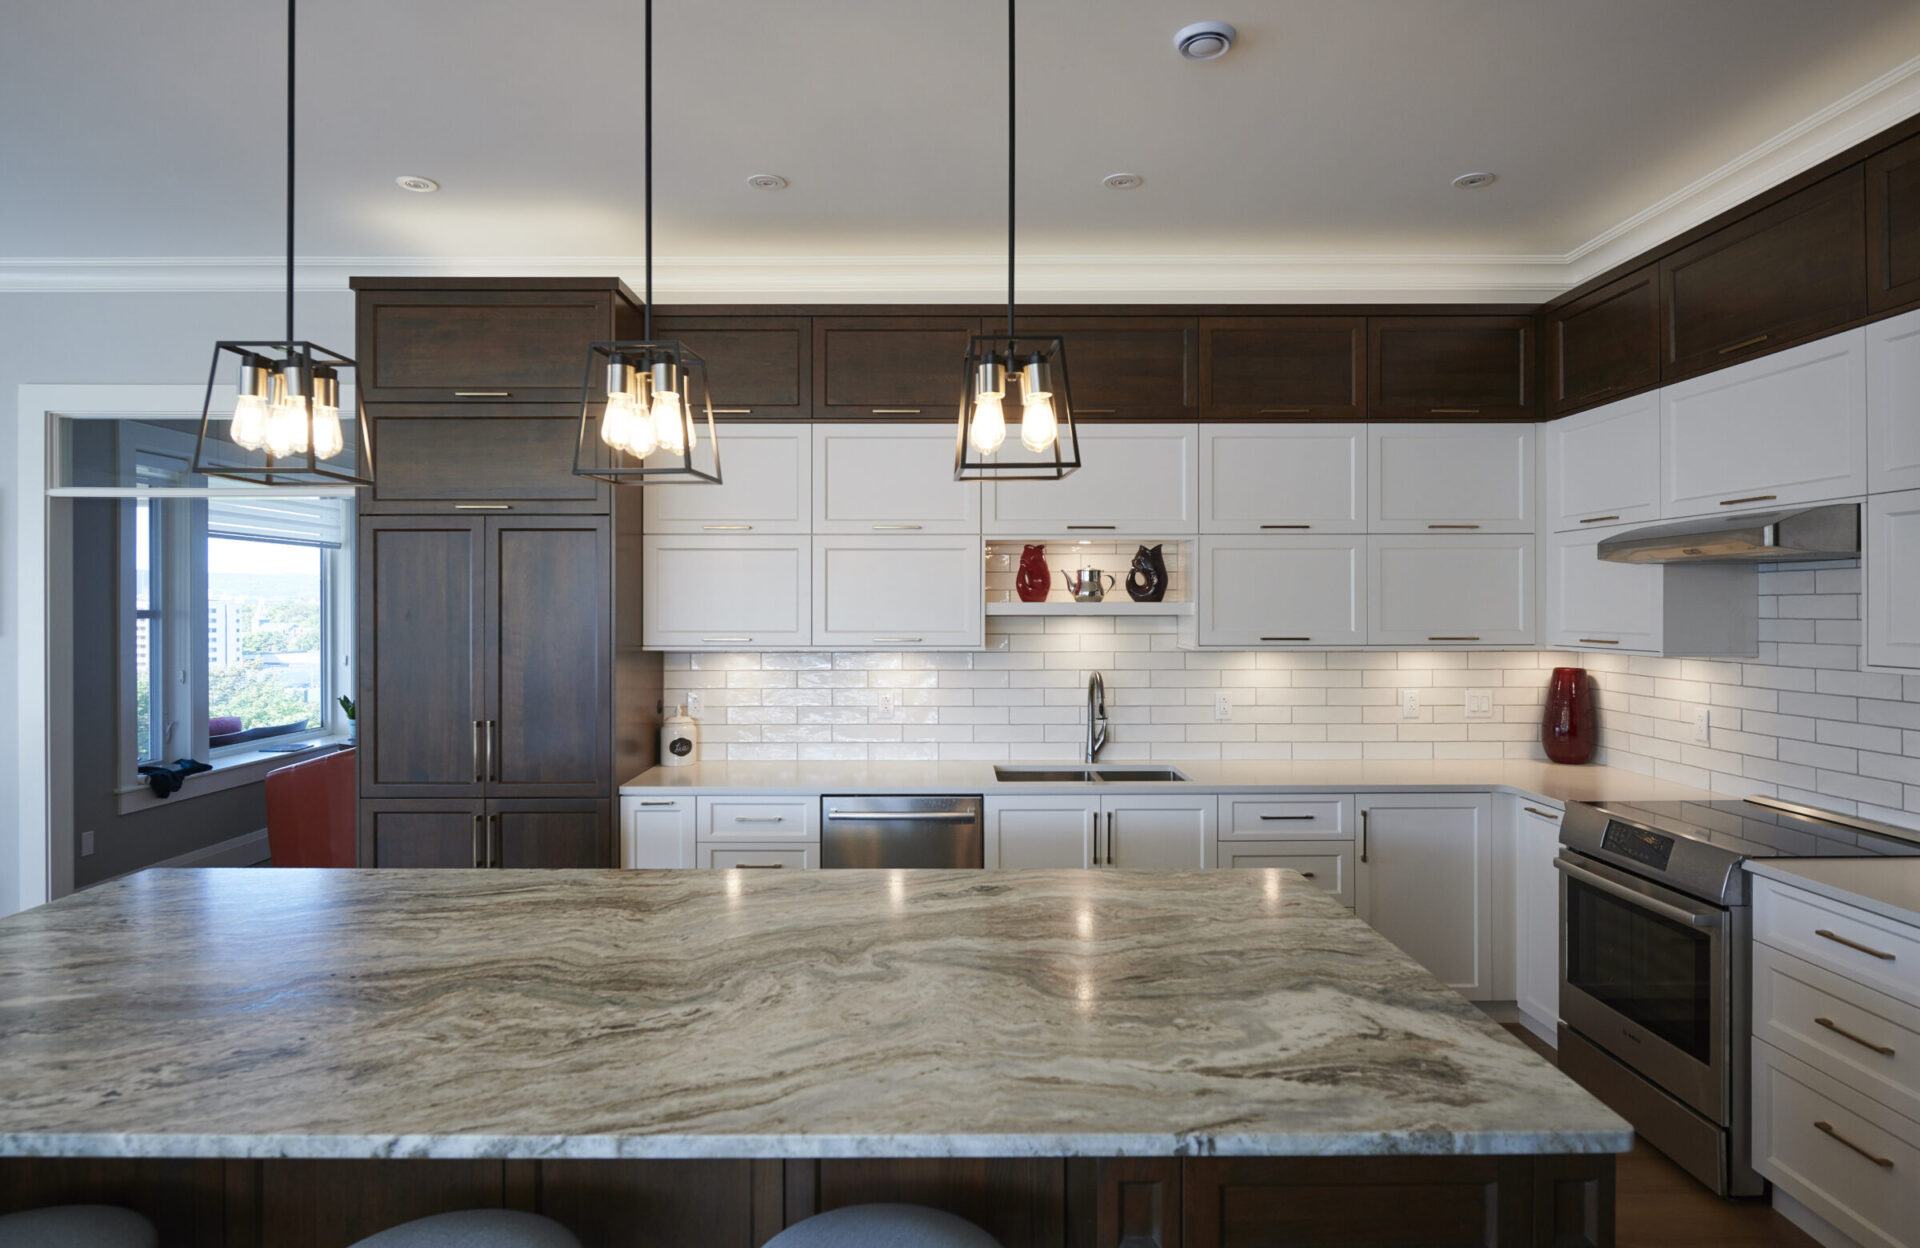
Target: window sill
[(230, 771)]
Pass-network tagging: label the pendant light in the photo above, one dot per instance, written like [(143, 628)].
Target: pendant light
[(1006, 369), (656, 389), (285, 427)]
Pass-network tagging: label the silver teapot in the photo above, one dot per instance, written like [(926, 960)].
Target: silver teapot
[(1085, 584)]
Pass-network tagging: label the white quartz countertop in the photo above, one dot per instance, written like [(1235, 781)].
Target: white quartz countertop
[(748, 1014), (1553, 781), (1889, 887)]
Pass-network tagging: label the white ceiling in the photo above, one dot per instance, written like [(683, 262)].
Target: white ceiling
[(1315, 158)]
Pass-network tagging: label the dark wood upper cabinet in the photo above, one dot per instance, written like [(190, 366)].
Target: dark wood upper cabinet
[(1605, 344), (527, 833), (759, 366), (1283, 368), (500, 346), (481, 456), (1450, 368), (1893, 227), (892, 367), (1787, 273), (1124, 367)]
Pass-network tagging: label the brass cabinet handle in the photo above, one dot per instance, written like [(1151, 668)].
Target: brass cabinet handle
[(1853, 944), (733, 411), (478, 775), (483, 394), (727, 528), (1544, 814), (1751, 498), (483, 506), (1453, 526), (758, 866), (475, 845), (1286, 526), (1862, 1041), (1598, 641), (1598, 519), (1754, 341), (1363, 835), (1454, 411), (896, 411), (1885, 1163)]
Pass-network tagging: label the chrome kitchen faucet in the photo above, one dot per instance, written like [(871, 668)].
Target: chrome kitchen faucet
[(1096, 717)]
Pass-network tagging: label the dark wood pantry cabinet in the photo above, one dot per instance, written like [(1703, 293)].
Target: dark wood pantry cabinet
[(1283, 368), (424, 340), (479, 457)]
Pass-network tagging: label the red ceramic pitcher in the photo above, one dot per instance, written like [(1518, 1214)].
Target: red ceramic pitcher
[(1033, 580), (1568, 729)]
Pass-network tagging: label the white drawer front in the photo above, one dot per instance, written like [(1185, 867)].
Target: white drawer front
[(759, 819), (1327, 864), (1834, 1169), (760, 857), (1862, 947), (1286, 818), (1865, 1039), (657, 833)]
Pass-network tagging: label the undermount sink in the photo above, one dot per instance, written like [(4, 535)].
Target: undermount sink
[(1084, 775)]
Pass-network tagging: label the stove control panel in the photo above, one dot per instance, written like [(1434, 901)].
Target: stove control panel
[(1650, 849)]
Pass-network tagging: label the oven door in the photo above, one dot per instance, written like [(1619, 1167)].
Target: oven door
[(1644, 974)]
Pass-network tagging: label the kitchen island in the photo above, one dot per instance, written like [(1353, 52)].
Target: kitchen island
[(1067, 1057)]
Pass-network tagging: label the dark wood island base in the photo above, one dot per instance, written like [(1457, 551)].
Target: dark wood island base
[(1561, 1201)]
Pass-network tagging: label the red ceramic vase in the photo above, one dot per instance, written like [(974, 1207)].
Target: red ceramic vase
[(1032, 581), (1567, 729)]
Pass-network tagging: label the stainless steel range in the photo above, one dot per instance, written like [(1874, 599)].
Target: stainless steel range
[(1654, 961)]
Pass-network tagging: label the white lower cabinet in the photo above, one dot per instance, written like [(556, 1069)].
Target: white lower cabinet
[(1892, 566), (1156, 831), (1264, 592), (1025, 833), (758, 818), (1328, 864), (1536, 912), (898, 593), (1425, 882), (657, 832), (1445, 591), (1152, 831), (729, 857), (1591, 604), (1286, 816), (726, 593)]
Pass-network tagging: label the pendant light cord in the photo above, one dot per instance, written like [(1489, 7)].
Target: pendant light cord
[(290, 23), (646, 312), (1010, 168)]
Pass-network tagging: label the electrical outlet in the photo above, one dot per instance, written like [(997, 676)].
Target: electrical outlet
[(1702, 725), (693, 703), (1223, 707), (1409, 704), (1479, 704), (886, 706), (86, 843)]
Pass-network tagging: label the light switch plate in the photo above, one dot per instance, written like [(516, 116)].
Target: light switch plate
[(1223, 707), (1702, 725), (1409, 704), (1479, 704)]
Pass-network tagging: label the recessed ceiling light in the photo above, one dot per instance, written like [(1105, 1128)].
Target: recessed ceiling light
[(1121, 181), (414, 182), (1468, 181), (1205, 41), (767, 182)]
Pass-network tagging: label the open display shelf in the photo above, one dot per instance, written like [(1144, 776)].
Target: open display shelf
[(1115, 557)]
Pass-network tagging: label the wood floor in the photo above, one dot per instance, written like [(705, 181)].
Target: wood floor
[(1659, 1205)]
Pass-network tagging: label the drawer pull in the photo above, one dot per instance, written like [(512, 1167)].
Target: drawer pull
[(1453, 526), (903, 641), (1286, 639), (1853, 944), (1453, 639), (1096, 411), (663, 803), (477, 861), (483, 394), (1885, 1163), (1306, 875), (1862, 1041), (1598, 641), (1273, 817), (1598, 519), (1754, 341), (1286, 526), (888, 528), (733, 411), (760, 819), (1090, 526), (483, 506), (1363, 836), (727, 528), (711, 640), (1544, 814), (1285, 411), (1751, 498), (1454, 411), (896, 411), (758, 866)]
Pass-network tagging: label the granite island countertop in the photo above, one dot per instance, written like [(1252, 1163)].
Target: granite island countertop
[(693, 1014)]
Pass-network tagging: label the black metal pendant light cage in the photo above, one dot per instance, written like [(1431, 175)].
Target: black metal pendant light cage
[(286, 426), (1002, 370)]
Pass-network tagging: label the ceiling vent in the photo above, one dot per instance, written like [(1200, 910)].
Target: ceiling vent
[(1205, 41)]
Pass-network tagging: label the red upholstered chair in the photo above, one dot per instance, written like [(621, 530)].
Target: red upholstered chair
[(310, 812)]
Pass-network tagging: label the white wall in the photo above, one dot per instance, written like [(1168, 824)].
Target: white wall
[(55, 339)]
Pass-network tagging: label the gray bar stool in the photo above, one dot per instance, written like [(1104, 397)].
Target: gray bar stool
[(475, 1228), (884, 1226), (77, 1226)]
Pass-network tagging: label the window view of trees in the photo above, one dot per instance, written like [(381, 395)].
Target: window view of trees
[(264, 634)]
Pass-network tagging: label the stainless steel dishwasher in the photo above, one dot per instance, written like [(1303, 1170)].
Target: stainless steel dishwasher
[(905, 831)]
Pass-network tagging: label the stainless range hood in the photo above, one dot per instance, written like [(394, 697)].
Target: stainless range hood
[(1827, 532)]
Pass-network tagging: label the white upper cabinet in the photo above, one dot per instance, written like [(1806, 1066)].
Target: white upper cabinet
[(1892, 566), (1137, 481), (766, 478), (1258, 592), (1466, 590), (1450, 478), (1590, 604), (1783, 429), (898, 593), (1603, 466), (1893, 403), (725, 593), (890, 479), (1283, 478)]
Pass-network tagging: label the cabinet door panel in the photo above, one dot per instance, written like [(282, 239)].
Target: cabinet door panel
[(550, 677), (488, 345), (1143, 367), (422, 683), (766, 473), (1592, 604), (1138, 481), (1427, 477), (1282, 591), (890, 365), (1425, 882), (1893, 404), (423, 833), (549, 833), (436, 457), (1785, 273), (1450, 591), (656, 833), (1294, 478), (1286, 367), (759, 366), (1789, 428), (1603, 466), (1536, 911), (1157, 833), (731, 857), (1893, 227), (906, 593), (1605, 343), (1450, 367), (889, 478), (1327, 865), (1893, 579), (723, 593), (1033, 832)]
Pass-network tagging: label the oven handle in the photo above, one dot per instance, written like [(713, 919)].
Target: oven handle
[(1692, 918)]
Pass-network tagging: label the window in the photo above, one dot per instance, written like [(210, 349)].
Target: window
[(148, 714)]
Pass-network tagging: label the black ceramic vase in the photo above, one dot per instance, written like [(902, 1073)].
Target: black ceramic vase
[(1147, 578)]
